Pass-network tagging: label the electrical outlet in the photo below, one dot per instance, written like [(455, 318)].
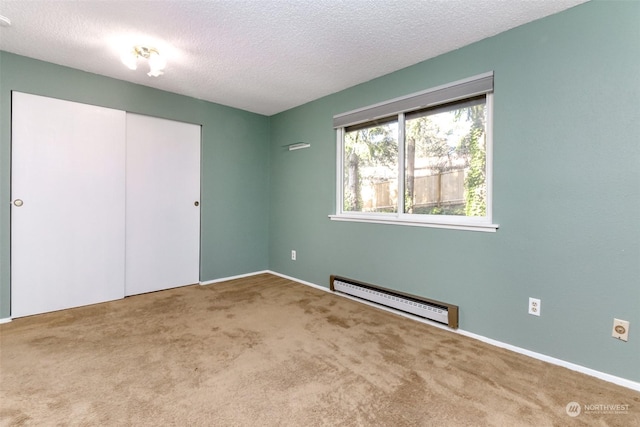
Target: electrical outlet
[(620, 329), (293, 255), (534, 306)]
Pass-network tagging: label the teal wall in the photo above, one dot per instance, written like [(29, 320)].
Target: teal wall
[(566, 192), (234, 188)]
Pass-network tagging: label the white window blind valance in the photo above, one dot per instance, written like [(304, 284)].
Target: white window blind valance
[(461, 89)]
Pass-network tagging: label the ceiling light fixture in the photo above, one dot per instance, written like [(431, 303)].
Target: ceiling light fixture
[(156, 62), (4, 21)]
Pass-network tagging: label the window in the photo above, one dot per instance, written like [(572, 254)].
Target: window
[(422, 160)]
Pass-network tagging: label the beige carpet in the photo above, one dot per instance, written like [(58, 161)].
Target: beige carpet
[(265, 351)]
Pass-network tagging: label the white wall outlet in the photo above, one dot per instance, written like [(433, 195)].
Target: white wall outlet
[(620, 329), (534, 306), (293, 255)]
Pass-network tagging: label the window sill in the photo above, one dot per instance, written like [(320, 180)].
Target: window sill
[(488, 228)]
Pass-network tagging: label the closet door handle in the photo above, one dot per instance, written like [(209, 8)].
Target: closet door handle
[(18, 202), (196, 203)]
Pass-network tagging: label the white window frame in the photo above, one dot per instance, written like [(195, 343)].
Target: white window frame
[(406, 104)]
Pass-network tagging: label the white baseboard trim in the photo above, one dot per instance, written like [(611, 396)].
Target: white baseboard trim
[(633, 385), (554, 361), (313, 285), (5, 320), (240, 276)]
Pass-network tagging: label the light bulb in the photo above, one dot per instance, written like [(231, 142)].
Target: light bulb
[(155, 73), (156, 64), (130, 59)]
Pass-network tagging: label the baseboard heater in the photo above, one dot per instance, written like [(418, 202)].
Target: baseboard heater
[(434, 310)]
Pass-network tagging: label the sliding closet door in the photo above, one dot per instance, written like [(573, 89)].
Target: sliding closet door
[(68, 213), (162, 204)]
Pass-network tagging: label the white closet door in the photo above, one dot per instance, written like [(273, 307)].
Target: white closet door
[(162, 205), (68, 212)]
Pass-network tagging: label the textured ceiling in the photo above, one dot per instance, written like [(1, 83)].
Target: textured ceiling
[(263, 56)]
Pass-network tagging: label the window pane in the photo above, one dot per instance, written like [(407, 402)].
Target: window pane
[(445, 155), (370, 175)]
